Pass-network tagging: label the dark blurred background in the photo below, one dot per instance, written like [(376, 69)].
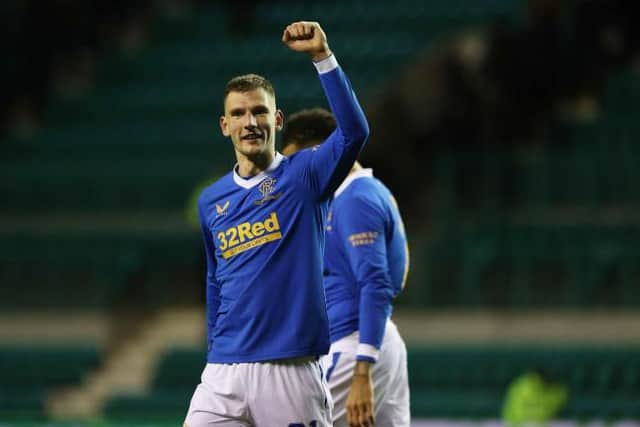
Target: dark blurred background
[(508, 130)]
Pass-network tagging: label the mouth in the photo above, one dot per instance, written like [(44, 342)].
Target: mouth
[(254, 136)]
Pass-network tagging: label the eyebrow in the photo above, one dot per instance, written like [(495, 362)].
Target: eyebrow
[(255, 109)]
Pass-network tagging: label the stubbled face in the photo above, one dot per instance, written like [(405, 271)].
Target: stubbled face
[(251, 121)]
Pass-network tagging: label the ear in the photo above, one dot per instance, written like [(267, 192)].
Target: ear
[(279, 120), (223, 126)]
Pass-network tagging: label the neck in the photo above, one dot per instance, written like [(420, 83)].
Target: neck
[(251, 166)]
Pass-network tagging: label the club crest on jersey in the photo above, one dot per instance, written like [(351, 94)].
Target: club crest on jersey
[(221, 210), (266, 188)]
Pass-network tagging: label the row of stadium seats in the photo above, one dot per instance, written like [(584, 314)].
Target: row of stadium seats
[(483, 405), (588, 165), (454, 382), (513, 265), (211, 22), (27, 374), (107, 177), (417, 16), (197, 58), (593, 371), (188, 110), (622, 91), (91, 269)]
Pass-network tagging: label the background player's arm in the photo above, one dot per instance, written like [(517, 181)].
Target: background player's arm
[(213, 289), (330, 163), (362, 230)]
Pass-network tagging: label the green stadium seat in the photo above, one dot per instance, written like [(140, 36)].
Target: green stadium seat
[(205, 22), (156, 406), (622, 91), (22, 402), (27, 374), (180, 368), (455, 405)]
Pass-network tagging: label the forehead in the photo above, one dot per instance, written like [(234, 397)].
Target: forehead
[(249, 99)]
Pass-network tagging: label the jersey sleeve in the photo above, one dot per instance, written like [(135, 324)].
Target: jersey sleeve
[(212, 287), (329, 163), (362, 231)]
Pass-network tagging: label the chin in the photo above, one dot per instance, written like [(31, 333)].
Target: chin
[(254, 151)]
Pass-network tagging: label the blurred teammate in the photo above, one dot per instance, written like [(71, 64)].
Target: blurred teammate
[(366, 264), (263, 229)]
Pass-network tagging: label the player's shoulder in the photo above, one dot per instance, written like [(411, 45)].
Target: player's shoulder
[(217, 189), (361, 191), (300, 156), (367, 191), (362, 185), (297, 163)]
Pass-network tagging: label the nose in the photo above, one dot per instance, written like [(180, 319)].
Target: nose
[(251, 120)]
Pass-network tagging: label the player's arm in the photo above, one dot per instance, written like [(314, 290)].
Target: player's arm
[(362, 230), (330, 163), (213, 288)]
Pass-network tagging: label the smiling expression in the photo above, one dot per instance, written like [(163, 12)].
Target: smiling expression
[(251, 121)]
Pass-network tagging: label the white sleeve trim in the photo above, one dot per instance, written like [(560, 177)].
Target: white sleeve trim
[(367, 350), (328, 64)]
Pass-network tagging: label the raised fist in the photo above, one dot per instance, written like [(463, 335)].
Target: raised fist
[(304, 36)]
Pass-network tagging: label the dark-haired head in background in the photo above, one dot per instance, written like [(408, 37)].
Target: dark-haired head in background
[(306, 128)]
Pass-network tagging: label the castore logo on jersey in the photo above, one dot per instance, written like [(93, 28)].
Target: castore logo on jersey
[(221, 210)]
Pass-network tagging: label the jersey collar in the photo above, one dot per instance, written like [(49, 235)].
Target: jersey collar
[(256, 179), (362, 173)]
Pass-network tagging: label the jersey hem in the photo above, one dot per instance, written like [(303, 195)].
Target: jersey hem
[(341, 334), (253, 358)]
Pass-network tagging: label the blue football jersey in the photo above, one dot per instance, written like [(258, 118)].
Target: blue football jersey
[(264, 242), (366, 259)]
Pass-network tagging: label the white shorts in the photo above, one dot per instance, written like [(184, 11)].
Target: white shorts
[(390, 378), (283, 393)]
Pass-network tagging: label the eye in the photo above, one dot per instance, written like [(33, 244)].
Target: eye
[(261, 111)]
